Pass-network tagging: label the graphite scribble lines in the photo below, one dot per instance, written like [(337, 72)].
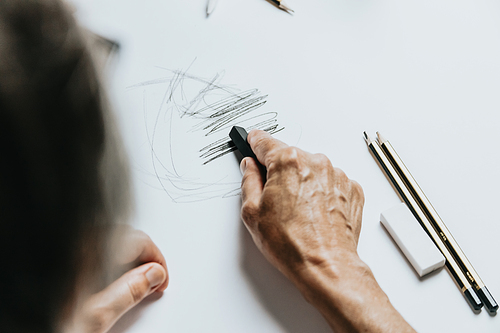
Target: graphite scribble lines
[(188, 131)]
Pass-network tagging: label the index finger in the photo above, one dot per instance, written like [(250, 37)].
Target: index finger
[(264, 145), (136, 247)]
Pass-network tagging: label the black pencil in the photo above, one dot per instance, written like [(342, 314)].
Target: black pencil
[(458, 276), (445, 235)]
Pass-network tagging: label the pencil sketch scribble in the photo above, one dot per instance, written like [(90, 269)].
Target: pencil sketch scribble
[(187, 121)]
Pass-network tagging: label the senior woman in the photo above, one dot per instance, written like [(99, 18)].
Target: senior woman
[(70, 264)]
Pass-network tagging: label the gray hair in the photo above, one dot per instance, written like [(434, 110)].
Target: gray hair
[(63, 174)]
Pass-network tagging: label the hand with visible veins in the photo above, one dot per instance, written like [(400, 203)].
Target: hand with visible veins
[(306, 219)]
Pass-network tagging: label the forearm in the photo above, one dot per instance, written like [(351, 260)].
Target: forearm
[(348, 296)]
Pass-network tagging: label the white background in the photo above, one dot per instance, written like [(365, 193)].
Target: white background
[(426, 74)]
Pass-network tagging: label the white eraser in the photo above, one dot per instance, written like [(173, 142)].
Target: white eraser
[(412, 239)]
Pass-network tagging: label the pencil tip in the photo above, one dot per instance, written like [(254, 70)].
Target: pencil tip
[(381, 139), (284, 7), (367, 138), (210, 7)]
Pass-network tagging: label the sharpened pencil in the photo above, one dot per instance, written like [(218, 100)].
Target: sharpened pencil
[(211, 4), (458, 276), (281, 5), (436, 221)]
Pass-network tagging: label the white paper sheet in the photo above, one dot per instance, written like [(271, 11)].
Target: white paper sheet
[(426, 74)]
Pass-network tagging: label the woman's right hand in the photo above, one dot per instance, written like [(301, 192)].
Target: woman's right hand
[(306, 219)]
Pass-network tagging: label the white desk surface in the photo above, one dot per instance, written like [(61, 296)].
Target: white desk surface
[(425, 74)]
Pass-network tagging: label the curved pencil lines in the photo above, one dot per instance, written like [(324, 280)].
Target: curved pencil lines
[(188, 110), (224, 146)]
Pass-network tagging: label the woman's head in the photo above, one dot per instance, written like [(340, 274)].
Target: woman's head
[(62, 182)]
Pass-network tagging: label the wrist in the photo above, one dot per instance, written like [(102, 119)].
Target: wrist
[(341, 274), (346, 293)]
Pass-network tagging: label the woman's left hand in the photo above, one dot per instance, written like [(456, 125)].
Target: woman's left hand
[(102, 310)]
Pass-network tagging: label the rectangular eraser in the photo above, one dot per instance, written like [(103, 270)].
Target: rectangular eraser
[(412, 239)]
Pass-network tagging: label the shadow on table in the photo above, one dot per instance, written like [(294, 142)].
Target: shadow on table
[(277, 294)]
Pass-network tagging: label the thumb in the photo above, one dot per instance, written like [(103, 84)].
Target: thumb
[(103, 309), (252, 186)]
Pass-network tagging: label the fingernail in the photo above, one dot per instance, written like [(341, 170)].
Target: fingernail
[(155, 276), (243, 166), (249, 138)]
